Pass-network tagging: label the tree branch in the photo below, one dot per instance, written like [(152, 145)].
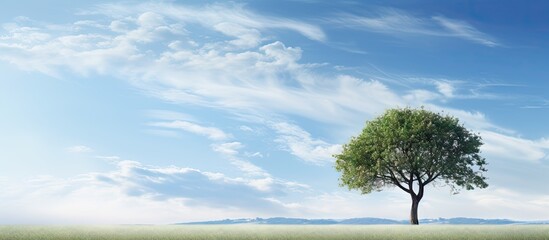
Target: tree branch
[(395, 180), (397, 183), (430, 179), (403, 175)]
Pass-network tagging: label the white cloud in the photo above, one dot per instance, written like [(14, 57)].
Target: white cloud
[(387, 21), (174, 182), (136, 193), (464, 30), (266, 79), (230, 148), (290, 206), (474, 120), (238, 74), (445, 88), (300, 143), (229, 81), (509, 147), (343, 204), (262, 184), (420, 96), (224, 16), (79, 149), (230, 151), (169, 115), (163, 133), (255, 154), (210, 132), (246, 128), (228, 77), (206, 74), (249, 168), (245, 37), (111, 159), (396, 22), (486, 203)]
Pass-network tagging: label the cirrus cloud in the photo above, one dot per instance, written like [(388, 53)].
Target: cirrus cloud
[(397, 22)]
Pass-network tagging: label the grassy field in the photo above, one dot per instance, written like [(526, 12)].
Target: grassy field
[(225, 232)]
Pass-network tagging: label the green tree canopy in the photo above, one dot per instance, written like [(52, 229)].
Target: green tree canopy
[(410, 148)]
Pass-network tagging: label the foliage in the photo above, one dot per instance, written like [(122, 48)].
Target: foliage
[(406, 145), (410, 148)]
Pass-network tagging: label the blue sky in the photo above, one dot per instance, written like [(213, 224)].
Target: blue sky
[(172, 111)]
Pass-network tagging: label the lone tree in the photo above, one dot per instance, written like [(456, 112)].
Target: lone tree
[(410, 148)]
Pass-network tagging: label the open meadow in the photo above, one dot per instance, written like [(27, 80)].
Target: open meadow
[(226, 232)]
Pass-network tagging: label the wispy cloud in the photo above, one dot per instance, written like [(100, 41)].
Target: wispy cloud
[(300, 143), (158, 194), (397, 22), (466, 31), (389, 21), (536, 103), (515, 148), (79, 149), (239, 69), (230, 19), (204, 72), (169, 115), (445, 88), (253, 154), (111, 159), (209, 188), (229, 148), (246, 128), (133, 192), (210, 132), (231, 151)]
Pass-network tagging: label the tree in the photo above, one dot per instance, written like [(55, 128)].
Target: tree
[(410, 148)]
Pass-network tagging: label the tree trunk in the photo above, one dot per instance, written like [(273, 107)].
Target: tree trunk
[(413, 213)]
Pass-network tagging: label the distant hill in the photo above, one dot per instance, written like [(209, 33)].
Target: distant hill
[(361, 221)]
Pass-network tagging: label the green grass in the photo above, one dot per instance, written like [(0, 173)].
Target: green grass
[(226, 232)]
